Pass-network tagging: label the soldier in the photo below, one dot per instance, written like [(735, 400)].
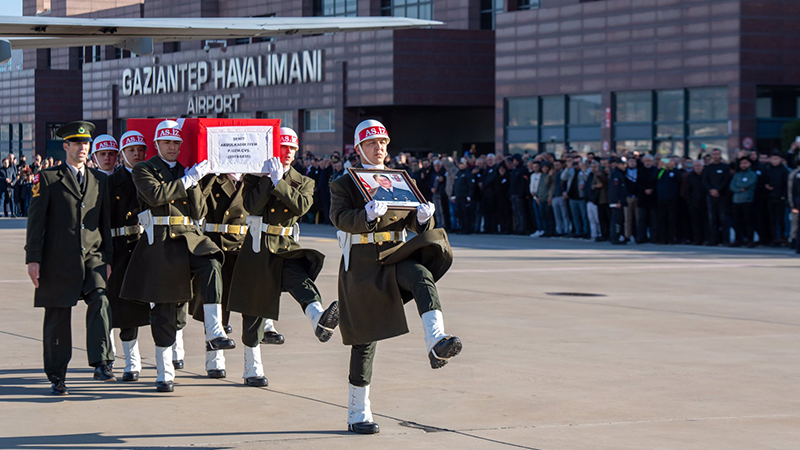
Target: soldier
[(104, 153), (617, 193), (225, 225), (381, 272), (272, 261), (68, 251), (173, 250)]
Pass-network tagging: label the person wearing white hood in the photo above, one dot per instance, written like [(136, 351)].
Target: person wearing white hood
[(172, 251), (104, 153), (380, 272)]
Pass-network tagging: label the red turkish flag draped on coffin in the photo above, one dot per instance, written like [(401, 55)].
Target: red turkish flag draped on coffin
[(194, 133)]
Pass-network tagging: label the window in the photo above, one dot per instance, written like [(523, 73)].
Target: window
[(764, 107), (319, 120), (634, 106), (287, 117), (670, 106), (336, 8), (529, 4), (489, 11), (553, 110), (523, 112), (708, 104), (585, 110), (5, 138), (413, 9)]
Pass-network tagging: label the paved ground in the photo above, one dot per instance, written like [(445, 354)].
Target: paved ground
[(687, 348)]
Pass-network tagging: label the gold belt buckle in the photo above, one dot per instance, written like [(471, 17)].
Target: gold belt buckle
[(175, 220), (235, 229)]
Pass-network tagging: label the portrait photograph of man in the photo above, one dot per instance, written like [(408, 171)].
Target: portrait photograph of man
[(388, 186)]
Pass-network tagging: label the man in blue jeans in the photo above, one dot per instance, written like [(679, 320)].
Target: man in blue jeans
[(575, 178)]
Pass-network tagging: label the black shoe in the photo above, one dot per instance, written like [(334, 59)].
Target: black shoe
[(256, 381), (273, 337), (178, 365), (104, 373), (220, 343), (165, 386), (328, 322), (228, 329), (59, 388), (364, 428), (217, 373), (130, 376), (444, 350)]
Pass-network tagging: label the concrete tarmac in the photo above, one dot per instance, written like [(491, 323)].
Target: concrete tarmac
[(670, 348)]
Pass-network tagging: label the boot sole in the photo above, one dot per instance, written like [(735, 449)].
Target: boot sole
[(328, 322), (452, 349)]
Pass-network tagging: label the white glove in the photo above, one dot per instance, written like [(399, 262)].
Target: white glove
[(275, 169), (375, 209), (196, 173), (425, 212)]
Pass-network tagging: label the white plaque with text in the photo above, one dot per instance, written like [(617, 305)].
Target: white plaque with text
[(241, 149)]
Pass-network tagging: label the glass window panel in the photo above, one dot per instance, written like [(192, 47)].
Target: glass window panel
[(426, 12), (523, 147), (15, 132), (764, 107), (709, 129), (642, 147), (634, 106), (412, 11), (523, 112), (704, 147), (5, 136), (670, 105), (335, 8), (586, 147), (556, 148), (319, 120), (670, 130), (666, 149), (27, 132), (553, 110), (708, 104), (585, 110)]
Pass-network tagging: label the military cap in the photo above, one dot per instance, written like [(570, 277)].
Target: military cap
[(78, 131)]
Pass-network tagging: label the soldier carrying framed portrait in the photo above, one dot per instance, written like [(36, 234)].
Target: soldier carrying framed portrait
[(394, 187)]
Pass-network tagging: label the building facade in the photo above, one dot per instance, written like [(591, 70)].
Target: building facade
[(662, 76)]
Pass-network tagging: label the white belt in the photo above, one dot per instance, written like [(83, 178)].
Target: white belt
[(127, 231), (347, 240), (224, 228), (256, 226), (171, 220)]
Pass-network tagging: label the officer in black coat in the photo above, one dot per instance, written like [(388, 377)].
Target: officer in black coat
[(716, 180), (463, 190), (617, 198), (489, 186), (68, 251)]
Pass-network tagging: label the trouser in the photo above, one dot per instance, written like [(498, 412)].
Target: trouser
[(594, 219), (795, 227), (743, 222), (477, 219), (717, 220), (647, 219), (580, 220), (697, 216), (518, 210), (604, 214), (128, 334), (415, 278), (464, 215), (562, 215), (617, 223), (438, 214), (8, 203), (539, 216), (57, 335), (550, 219), (295, 281), (776, 210), (631, 217), (489, 215), (667, 221)]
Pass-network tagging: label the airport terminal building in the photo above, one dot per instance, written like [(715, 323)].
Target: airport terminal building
[(666, 76)]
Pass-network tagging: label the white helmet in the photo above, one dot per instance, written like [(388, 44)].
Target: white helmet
[(131, 138), (168, 130), (104, 142), (369, 129), (289, 138)]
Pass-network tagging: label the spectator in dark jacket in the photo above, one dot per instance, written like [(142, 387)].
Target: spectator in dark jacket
[(8, 179), (776, 178), (489, 188), (617, 197), (716, 180), (518, 191), (646, 201), (463, 190), (743, 188), (668, 184), (503, 198), (696, 201)]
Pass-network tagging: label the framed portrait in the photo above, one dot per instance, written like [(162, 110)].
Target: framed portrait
[(394, 187)]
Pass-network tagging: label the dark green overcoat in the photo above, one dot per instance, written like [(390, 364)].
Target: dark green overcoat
[(370, 300), (256, 283), (124, 212), (68, 235), (159, 273)]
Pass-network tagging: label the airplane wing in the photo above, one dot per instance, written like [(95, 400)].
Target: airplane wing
[(138, 34)]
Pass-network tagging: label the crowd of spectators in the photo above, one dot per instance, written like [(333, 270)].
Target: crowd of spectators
[(16, 179), (638, 198)]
